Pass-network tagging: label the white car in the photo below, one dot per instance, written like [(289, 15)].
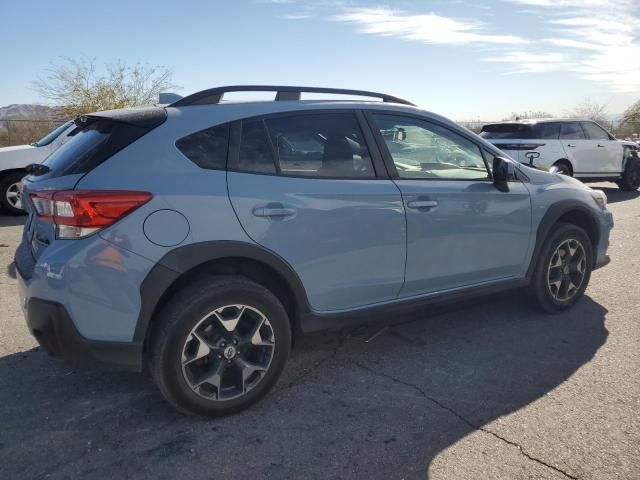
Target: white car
[(14, 160), (580, 148)]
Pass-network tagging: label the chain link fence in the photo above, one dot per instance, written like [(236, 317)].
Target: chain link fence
[(25, 131)]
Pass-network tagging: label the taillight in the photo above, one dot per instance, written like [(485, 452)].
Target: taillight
[(78, 213)]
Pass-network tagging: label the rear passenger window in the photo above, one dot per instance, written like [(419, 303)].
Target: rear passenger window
[(572, 131), (207, 148), (255, 155), (321, 145), (547, 131)]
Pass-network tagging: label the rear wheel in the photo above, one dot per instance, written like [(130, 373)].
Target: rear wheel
[(630, 180), (10, 198), (563, 269), (219, 346), (562, 167)]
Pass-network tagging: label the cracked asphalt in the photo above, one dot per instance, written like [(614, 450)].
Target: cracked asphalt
[(486, 389)]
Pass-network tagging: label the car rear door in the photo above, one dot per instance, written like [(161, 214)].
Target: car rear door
[(608, 152), (580, 151), (308, 187), (461, 231)]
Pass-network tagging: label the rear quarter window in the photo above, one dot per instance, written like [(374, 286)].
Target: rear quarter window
[(207, 148)]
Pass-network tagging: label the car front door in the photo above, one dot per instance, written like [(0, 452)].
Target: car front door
[(307, 187), (461, 231), (608, 153)]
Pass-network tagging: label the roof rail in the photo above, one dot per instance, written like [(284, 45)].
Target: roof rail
[(214, 95)]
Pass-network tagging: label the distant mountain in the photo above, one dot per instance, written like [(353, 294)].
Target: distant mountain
[(29, 111)]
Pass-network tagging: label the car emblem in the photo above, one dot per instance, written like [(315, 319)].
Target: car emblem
[(229, 352)]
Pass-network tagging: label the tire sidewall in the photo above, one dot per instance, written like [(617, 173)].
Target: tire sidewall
[(183, 317), (634, 165), (559, 235)]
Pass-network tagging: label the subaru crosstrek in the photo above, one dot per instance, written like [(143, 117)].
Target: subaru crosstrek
[(199, 239)]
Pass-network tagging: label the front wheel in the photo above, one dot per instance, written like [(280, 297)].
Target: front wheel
[(219, 346), (630, 180), (563, 268)]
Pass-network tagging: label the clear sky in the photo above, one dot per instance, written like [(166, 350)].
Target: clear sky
[(462, 58)]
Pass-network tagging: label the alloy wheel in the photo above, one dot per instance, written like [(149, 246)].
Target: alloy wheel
[(567, 269), (13, 196), (228, 352)]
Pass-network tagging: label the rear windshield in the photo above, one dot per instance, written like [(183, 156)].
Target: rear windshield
[(75, 155), (507, 131)]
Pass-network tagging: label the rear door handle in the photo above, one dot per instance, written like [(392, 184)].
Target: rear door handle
[(601, 146), (274, 211), (569, 145), (422, 204)]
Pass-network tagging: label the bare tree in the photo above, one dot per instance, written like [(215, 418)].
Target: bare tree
[(78, 88), (591, 110), (529, 115), (632, 114)]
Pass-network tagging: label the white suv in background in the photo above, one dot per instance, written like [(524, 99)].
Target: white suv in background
[(580, 148), (14, 161)]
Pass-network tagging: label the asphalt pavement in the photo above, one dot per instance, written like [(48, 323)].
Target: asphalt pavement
[(486, 389)]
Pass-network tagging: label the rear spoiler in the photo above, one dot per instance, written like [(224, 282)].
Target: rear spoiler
[(145, 117)]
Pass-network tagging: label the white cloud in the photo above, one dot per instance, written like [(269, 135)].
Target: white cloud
[(594, 40), (296, 16), (598, 37), (524, 62), (428, 28)]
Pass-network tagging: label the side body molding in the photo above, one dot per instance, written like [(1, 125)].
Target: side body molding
[(183, 259)]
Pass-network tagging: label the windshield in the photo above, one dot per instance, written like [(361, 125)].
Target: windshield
[(52, 135), (507, 131)]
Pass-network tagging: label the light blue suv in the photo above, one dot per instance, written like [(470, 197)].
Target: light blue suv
[(200, 238)]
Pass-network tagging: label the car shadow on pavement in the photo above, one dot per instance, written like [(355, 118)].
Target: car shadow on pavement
[(379, 401), (615, 195), (12, 220)]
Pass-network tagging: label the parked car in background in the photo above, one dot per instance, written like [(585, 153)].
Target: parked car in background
[(200, 238), (578, 148), (15, 159)]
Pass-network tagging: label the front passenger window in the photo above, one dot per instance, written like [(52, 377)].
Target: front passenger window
[(420, 149), (572, 131)]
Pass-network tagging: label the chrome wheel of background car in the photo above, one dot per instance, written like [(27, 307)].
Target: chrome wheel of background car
[(567, 269), (13, 196), (228, 352), (561, 169)]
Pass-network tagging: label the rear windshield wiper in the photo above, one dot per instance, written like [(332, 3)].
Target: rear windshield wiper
[(37, 169)]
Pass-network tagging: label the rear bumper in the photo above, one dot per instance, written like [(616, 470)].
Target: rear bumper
[(52, 327)]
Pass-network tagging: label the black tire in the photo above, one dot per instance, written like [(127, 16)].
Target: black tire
[(563, 168), (540, 291), (183, 313), (630, 181), (7, 184)]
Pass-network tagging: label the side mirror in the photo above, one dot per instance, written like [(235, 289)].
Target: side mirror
[(501, 173)]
